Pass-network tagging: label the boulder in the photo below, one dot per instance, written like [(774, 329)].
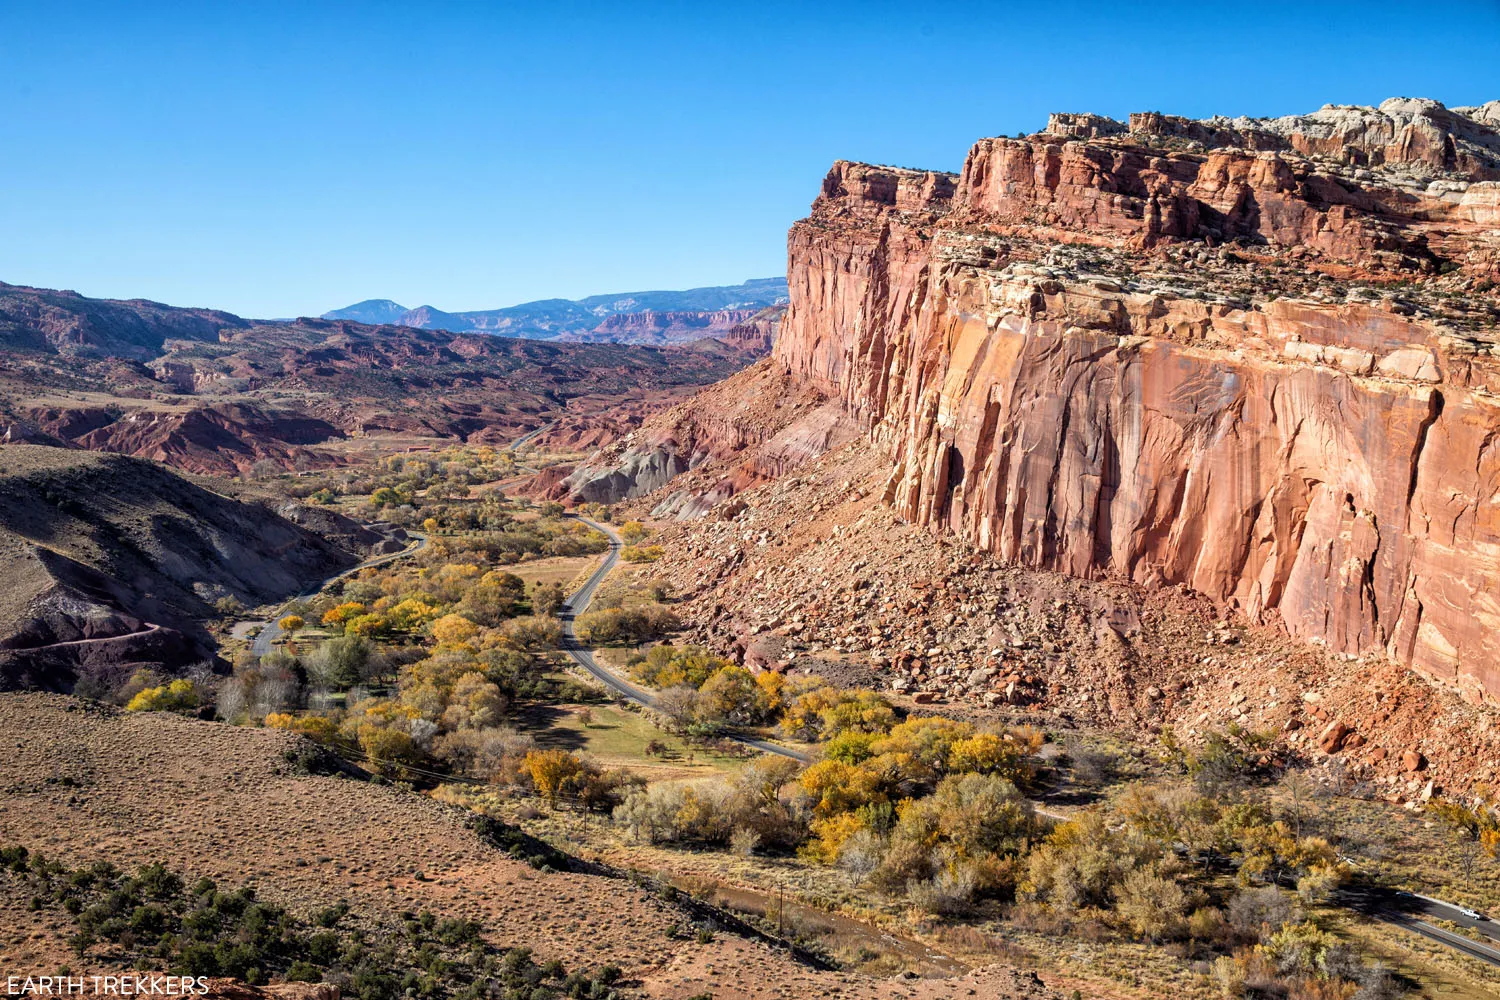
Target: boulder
[(1333, 737)]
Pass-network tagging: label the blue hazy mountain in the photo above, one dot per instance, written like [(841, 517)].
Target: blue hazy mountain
[(376, 311), (546, 319)]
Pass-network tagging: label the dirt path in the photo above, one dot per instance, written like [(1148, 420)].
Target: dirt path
[(148, 630)]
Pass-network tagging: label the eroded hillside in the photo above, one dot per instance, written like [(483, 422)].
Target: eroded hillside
[(115, 562), (212, 393)]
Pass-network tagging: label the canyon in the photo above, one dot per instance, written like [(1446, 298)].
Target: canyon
[(1253, 358), (211, 394)]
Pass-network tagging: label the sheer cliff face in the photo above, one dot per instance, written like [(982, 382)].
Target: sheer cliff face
[(1267, 377)]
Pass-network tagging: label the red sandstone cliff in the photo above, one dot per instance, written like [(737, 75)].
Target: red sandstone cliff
[(756, 425), (1254, 357)]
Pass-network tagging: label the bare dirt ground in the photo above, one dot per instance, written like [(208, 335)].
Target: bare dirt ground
[(81, 783)]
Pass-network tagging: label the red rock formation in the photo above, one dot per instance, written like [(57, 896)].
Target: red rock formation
[(662, 327), (228, 439), (69, 323), (756, 334), (292, 394), (753, 426), (1070, 368)]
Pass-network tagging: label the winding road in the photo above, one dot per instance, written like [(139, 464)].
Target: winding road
[(270, 629), (1400, 909), (579, 602)]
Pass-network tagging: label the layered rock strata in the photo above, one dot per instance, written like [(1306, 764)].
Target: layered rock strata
[(1257, 358)]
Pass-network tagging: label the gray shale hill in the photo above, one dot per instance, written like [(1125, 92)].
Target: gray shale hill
[(111, 563)]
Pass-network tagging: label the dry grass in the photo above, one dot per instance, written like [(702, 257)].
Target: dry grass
[(567, 571), (1414, 850), (1439, 971), (220, 801)]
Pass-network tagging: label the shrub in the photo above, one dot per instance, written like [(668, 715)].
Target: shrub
[(1151, 904), (626, 626), (743, 841), (1262, 911), (834, 787), (731, 695), (547, 599), (824, 712), (851, 747), (318, 728), (532, 633), (474, 703), (153, 920), (340, 662), (1228, 974), (388, 750), (491, 754), (454, 630), (929, 739), (713, 812), (178, 696), (1083, 861), (950, 891), (666, 665), (553, 772)]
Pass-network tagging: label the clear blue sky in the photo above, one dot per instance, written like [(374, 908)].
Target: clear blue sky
[(287, 159)]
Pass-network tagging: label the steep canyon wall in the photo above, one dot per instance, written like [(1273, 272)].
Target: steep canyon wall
[(1257, 359)]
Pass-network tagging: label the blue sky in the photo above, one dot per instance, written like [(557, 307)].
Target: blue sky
[(287, 159)]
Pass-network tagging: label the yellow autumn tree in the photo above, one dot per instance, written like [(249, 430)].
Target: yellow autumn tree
[(554, 773), (454, 630), (178, 696), (341, 615)]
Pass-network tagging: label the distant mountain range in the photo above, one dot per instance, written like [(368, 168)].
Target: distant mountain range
[(570, 319)]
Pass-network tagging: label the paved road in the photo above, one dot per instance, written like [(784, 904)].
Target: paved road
[(1401, 909), (1409, 910), (270, 631), (525, 439), (579, 602)]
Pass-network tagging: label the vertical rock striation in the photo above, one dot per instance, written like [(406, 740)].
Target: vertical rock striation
[(1257, 358)]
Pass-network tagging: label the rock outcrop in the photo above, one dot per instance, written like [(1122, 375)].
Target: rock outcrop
[(1257, 358), (66, 322), (754, 426), (652, 327)]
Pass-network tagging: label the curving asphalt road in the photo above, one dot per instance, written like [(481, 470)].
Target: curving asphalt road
[(579, 602), (1407, 910), (270, 631)]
